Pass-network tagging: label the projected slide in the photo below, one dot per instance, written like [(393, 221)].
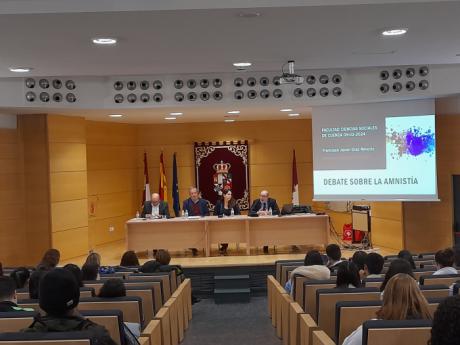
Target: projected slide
[(385, 157)]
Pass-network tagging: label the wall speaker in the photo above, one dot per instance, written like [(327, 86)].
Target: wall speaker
[(179, 96), (30, 83), (384, 75), (397, 87), (217, 95), (70, 85), (336, 78), (157, 84), (131, 98), (178, 84), (118, 98), (384, 88), (238, 95), (264, 81), (57, 83), (298, 92), (423, 71), (251, 81), (204, 96), (423, 84), (323, 79), (30, 96), (265, 93), (131, 85), (410, 72), (118, 85), (337, 91), (158, 97), (204, 83), (252, 94), (410, 85), (311, 79), (238, 82), (191, 96), (324, 92), (44, 97), (276, 81), (191, 84), (144, 84), (71, 98), (311, 92), (44, 83), (145, 97), (397, 73), (217, 82), (277, 93), (57, 97)]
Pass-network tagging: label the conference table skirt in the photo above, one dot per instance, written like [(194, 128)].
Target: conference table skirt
[(181, 233)]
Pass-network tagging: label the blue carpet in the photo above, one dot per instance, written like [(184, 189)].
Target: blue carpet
[(235, 324)]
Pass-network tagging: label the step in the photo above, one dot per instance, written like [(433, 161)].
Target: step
[(232, 282), (232, 295)]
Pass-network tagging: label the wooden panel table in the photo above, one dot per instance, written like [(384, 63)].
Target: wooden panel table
[(181, 233)]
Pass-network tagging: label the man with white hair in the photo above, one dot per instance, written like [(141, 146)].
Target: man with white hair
[(156, 207), (262, 207)]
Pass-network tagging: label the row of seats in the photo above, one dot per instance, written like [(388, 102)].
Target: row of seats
[(337, 319)]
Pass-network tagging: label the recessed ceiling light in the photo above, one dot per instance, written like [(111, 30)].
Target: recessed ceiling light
[(175, 114), (115, 115), (394, 32), (294, 114), (286, 110), (249, 14), (105, 40), (20, 69), (242, 64), (229, 120), (233, 112), (170, 118)]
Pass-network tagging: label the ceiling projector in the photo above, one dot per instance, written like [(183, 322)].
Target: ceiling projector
[(290, 77)]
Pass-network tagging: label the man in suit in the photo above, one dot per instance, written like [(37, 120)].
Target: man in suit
[(195, 206), (155, 207), (262, 207)]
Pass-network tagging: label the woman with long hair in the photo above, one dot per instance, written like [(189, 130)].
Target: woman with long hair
[(348, 276), (129, 259), (93, 259), (224, 207), (50, 260), (402, 301)]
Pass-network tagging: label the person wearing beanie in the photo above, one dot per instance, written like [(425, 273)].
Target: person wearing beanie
[(59, 295)]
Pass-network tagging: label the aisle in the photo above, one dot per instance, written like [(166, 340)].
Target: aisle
[(232, 324)]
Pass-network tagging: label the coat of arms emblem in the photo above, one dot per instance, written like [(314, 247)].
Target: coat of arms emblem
[(222, 177)]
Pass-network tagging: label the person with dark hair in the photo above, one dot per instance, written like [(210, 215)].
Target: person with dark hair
[(59, 298), (397, 266), (129, 259), (21, 277), (8, 299), (34, 283), (90, 272), (93, 259), (406, 255), (446, 322), (373, 266), (76, 271), (348, 276), (444, 262), (50, 259), (224, 207), (163, 257), (334, 256), (113, 288), (150, 266), (313, 269), (359, 259)]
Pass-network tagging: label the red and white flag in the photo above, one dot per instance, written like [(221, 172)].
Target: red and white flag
[(146, 196), (295, 182)]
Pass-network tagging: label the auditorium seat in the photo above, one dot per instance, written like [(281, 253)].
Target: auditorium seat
[(447, 279), (153, 332), (307, 326), (297, 287), (52, 338), (286, 301), (384, 332), (179, 295), (280, 263), (295, 310), (326, 300), (422, 272), (435, 291), (163, 316), (286, 272), (84, 292), (270, 288), (309, 297), (373, 282), (321, 338), (172, 305), (456, 288), (156, 277), (146, 295)]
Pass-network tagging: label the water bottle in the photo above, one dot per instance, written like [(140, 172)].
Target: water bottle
[(183, 214), (186, 214), (232, 212), (137, 214), (270, 211)]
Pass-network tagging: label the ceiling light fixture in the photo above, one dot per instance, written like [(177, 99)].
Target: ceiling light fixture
[(175, 114), (105, 40), (20, 69), (294, 114), (170, 118), (242, 64), (233, 112), (286, 110), (115, 115), (394, 32), (229, 120)]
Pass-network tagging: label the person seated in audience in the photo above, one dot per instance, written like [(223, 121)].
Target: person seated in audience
[(59, 298), (8, 299), (150, 266), (373, 266), (397, 266), (195, 206), (445, 262), (457, 256), (402, 301), (334, 256), (1, 269), (348, 276), (359, 259), (76, 271), (50, 260), (93, 259), (155, 208), (224, 207), (313, 269), (34, 283), (90, 272), (406, 255), (21, 277), (129, 259), (446, 322), (263, 206)]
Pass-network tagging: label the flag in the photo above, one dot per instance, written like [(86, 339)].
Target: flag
[(295, 182), (175, 189), (162, 188), (146, 196)]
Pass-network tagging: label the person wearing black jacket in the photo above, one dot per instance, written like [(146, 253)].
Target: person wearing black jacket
[(155, 207), (8, 296), (224, 207)]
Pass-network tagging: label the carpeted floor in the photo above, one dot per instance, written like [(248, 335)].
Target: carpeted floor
[(235, 324)]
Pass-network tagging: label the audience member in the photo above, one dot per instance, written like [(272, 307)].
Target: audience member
[(313, 269), (457, 256), (21, 277), (359, 259), (59, 298), (402, 301), (334, 256), (93, 259), (76, 271), (446, 323), (34, 283), (163, 257), (444, 262), (90, 272), (397, 266), (150, 266), (113, 288), (348, 276), (129, 259), (407, 255), (1, 269), (50, 260), (373, 266), (8, 299)]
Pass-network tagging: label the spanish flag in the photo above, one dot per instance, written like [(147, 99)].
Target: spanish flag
[(162, 189)]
